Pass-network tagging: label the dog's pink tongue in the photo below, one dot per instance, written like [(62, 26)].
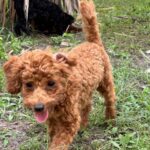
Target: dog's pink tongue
[(41, 116)]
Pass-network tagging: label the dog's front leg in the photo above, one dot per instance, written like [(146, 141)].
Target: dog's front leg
[(63, 136)]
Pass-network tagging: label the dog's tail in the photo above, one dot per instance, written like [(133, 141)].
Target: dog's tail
[(89, 19)]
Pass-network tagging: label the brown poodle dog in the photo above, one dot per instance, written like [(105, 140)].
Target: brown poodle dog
[(59, 87)]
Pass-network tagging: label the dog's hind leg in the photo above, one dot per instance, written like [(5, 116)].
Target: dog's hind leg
[(106, 88)]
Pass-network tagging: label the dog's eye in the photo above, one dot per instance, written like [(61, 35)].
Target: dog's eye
[(29, 85), (51, 84)]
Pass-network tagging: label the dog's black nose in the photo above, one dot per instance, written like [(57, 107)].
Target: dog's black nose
[(39, 107)]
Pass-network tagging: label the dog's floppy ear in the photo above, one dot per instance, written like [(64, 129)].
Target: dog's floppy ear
[(12, 69), (63, 58)]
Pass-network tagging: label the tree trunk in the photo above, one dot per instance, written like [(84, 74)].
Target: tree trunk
[(70, 6)]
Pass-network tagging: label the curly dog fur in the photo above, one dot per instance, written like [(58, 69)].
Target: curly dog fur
[(63, 84), (44, 16)]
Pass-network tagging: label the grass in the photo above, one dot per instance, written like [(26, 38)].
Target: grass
[(125, 31)]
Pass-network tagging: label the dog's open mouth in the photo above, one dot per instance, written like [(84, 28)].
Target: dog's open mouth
[(41, 116)]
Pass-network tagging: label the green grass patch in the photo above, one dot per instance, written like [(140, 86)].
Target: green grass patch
[(125, 31)]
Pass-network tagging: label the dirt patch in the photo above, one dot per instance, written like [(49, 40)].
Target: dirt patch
[(14, 133)]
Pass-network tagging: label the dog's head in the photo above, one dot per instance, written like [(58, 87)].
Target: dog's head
[(41, 78)]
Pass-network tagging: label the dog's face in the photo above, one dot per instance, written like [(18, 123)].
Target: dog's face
[(41, 78)]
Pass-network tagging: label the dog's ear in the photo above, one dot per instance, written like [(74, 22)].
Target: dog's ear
[(63, 58), (12, 69)]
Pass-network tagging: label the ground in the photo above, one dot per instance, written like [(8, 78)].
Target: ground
[(125, 30)]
